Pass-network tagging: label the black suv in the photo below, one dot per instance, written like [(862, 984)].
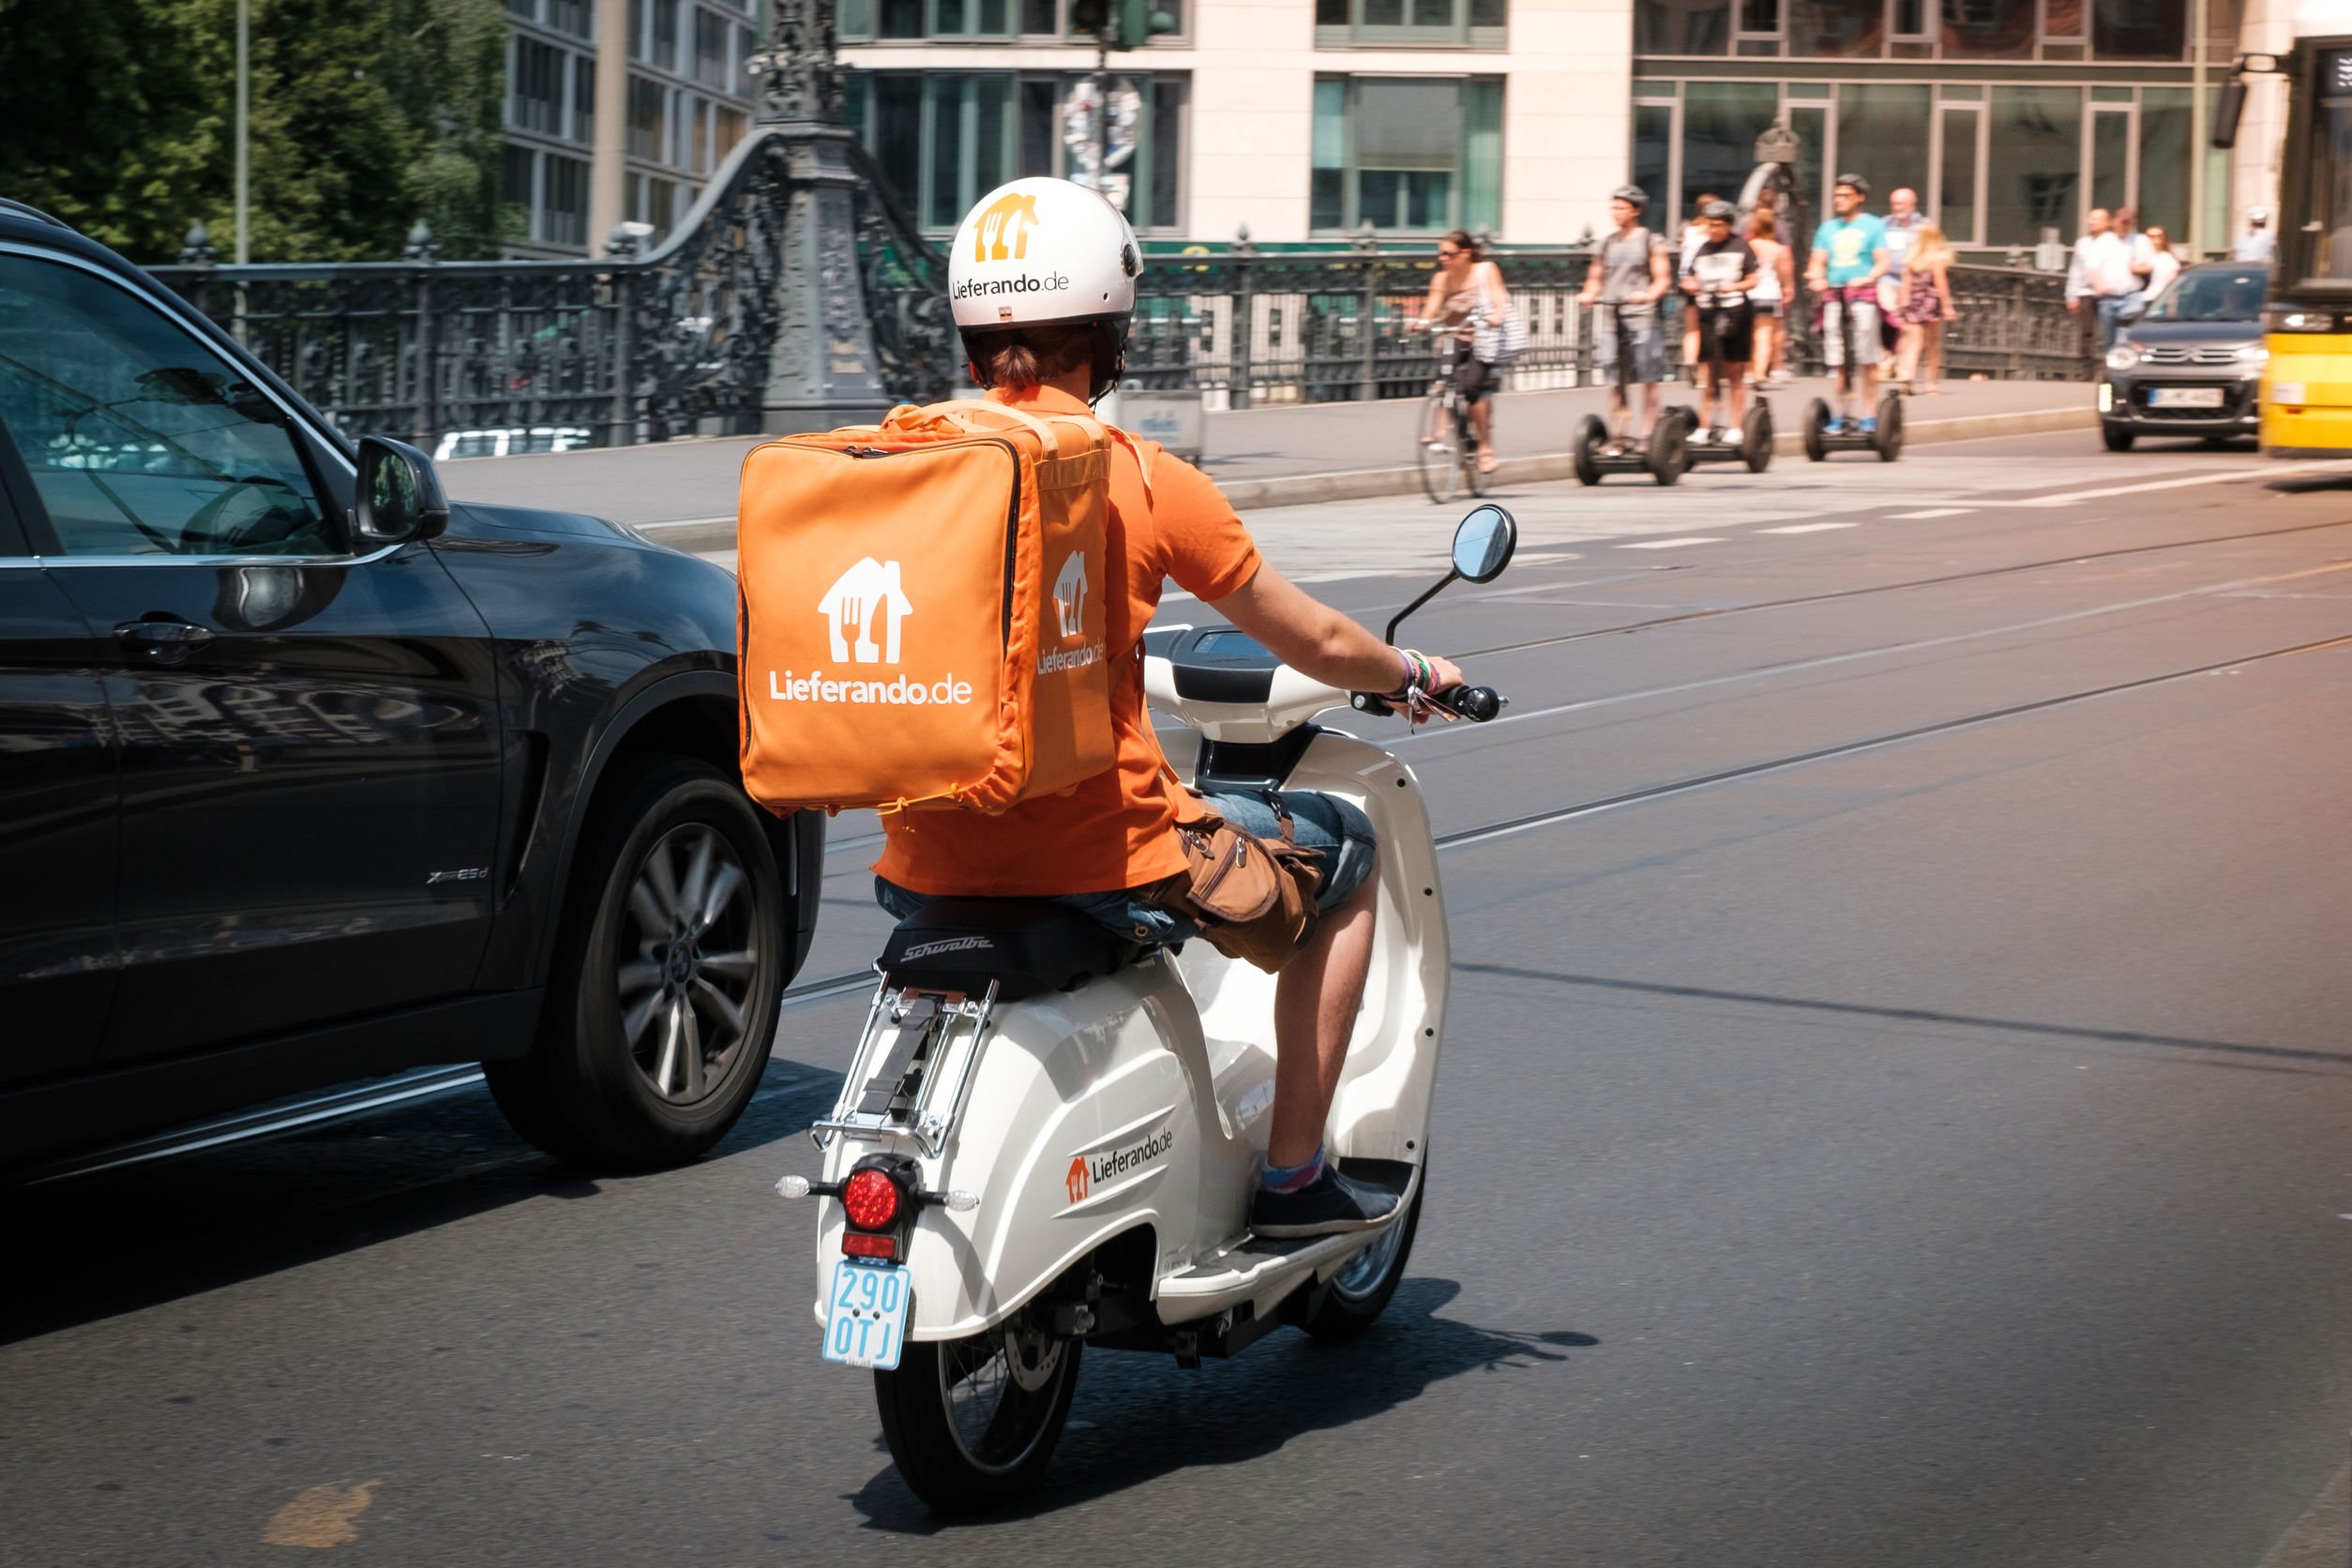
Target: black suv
[(307, 775)]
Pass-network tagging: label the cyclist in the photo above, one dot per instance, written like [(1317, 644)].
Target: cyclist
[(1850, 256), (1717, 278), (1629, 276), (1467, 290), (1054, 342)]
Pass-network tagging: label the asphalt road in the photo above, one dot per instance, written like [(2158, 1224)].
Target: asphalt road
[(1901, 1119)]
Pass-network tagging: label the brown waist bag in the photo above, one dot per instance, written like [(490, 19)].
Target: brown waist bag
[(1253, 898)]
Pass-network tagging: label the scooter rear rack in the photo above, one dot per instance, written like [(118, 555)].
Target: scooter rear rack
[(913, 1068)]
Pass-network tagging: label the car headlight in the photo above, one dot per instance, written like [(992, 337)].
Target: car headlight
[(2254, 353), (2123, 356)]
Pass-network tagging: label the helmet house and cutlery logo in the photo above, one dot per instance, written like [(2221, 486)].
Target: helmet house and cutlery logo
[(1069, 607), (865, 613)]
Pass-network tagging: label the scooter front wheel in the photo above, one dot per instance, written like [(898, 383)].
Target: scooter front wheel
[(972, 1422), (1359, 1293)]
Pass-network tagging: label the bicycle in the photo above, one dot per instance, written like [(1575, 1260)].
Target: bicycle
[(1449, 440)]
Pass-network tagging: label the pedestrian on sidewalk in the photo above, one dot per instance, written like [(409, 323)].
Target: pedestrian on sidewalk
[(2258, 244), (1776, 286), (2100, 282), (1629, 274), (1904, 221), (1467, 290), (2164, 265), (1926, 306)]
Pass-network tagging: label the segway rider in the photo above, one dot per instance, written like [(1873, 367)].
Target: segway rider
[(1042, 279), (1718, 278), (1850, 256), (1629, 274)]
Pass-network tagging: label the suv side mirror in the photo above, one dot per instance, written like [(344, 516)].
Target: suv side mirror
[(400, 494)]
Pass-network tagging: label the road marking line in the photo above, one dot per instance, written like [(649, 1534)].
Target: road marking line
[(2070, 497), (1931, 512), (1668, 544), (1828, 661), (1809, 527)]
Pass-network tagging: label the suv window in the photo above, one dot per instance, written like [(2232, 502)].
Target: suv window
[(141, 440)]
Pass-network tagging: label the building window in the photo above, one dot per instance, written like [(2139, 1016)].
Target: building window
[(1466, 24), (1681, 27), (2035, 159), (727, 132), (1721, 121), (710, 49), (583, 98), (663, 53), (536, 97), (1408, 154), (1882, 136), (862, 20), (1838, 29), (649, 116), (569, 16), (943, 139), (2139, 29), (516, 196), (566, 215), (1990, 29), (527, 9)]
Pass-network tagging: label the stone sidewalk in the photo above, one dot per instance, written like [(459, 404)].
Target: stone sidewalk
[(1284, 454)]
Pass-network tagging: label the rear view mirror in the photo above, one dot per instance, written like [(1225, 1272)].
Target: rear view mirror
[(1484, 543), (400, 494)]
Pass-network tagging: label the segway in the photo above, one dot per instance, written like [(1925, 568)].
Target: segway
[(1824, 434), (1666, 457), (1754, 447)]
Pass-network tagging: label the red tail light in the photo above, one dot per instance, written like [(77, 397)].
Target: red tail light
[(857, 1243), (871, 1199)]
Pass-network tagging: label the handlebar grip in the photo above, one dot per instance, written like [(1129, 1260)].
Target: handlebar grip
[(1476, 703)]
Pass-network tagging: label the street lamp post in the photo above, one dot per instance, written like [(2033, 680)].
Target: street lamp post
[(245, 106)]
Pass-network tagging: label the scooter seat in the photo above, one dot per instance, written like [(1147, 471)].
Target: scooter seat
[(1026, 946)]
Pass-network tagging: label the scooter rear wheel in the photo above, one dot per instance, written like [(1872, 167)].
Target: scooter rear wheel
[(1359, 1293), (972, 1423)]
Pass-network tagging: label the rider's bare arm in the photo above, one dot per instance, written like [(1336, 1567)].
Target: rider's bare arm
[(1316, 639), (1661, 276), (1817, 269)]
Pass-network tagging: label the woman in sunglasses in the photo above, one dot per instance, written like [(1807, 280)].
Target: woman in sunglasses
[(1467, 291)]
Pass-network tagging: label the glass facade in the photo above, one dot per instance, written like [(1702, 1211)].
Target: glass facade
[(2143, 31), (686, 109), (945, 137), (1407, 155), (971, 20), (1996, 162), (1410, 23)]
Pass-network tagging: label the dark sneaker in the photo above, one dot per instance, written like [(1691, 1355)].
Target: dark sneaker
[(1330, 1205)]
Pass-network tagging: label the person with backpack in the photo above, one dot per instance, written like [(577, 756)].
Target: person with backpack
[(1042, 281)]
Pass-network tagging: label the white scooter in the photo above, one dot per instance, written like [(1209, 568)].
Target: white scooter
[(1048, 1138)]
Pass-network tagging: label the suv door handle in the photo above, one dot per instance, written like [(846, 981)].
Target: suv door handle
[(163, 640)]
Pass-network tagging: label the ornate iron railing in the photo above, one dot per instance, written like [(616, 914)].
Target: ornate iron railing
[(626, 349), (1246, 326), (683, 339)]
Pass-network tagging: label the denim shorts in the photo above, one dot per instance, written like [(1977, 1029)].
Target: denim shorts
[(1338, 828)]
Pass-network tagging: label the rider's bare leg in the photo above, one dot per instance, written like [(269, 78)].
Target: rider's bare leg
[(1869, 391), (1735, 393), (1482, 421), (1650, 393), (1317, 997)]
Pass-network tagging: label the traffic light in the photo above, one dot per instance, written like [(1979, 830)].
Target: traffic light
[(1140, 21)]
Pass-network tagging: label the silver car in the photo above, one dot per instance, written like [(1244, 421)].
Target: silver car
[(2191, 366)]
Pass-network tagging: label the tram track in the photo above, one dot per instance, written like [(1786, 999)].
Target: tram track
[(433, 1082)]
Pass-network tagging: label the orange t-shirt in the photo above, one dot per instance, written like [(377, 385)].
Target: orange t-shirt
[(1112, 831)]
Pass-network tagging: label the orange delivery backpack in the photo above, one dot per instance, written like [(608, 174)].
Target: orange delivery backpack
[(921, 611)]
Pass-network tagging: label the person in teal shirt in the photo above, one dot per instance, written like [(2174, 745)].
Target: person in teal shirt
[(1850, 256)]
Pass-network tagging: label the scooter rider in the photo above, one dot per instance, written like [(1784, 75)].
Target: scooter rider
[(1630, 274), (1109, 845), (1717, 280), (1850, 256)]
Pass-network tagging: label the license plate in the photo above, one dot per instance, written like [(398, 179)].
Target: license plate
[(866, 1314), (2185, 397)]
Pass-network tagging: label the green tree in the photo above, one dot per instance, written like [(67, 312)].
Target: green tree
[(365, 119)]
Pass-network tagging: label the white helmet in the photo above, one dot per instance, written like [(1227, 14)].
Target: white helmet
[(1040, 252)]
